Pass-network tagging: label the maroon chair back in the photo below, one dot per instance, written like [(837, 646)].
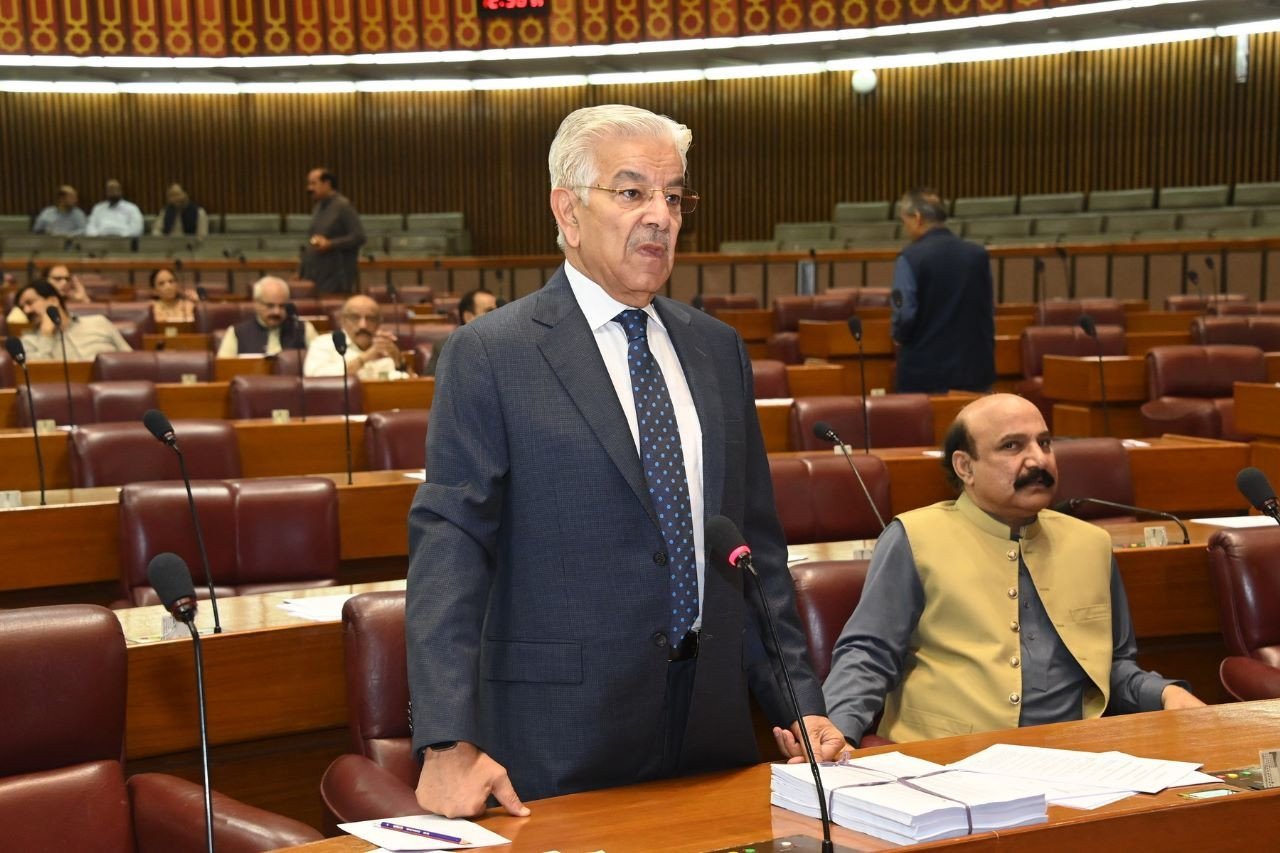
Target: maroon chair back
[(63, 704), (1193, 302), (1201, 371), (288, 362), (6, 370), (50, 400), (1067, 312), (414, 294), (713, 302), (1245, 566), (819, 499), (1094, 468), (862, 297), (140, 312), (155, 518), (827, 592), (788, 311), (258, 396), (770, 378), (131, 332), (1220, 330), (1038, 341), (117, 453), (396, 439), (154, 366), (448, 306), (217, 316), (125, 400), (324, 395), (897, 420), (377, 682)]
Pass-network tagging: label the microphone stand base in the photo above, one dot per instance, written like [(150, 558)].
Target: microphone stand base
[(789, 844)]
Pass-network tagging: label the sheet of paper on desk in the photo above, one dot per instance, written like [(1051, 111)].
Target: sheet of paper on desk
[(321, 608), (417, 475), (1107, 771), (402, 842), (1237, 521)]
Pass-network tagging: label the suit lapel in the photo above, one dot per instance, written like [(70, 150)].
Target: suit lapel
[(701, 376), (570, 349)]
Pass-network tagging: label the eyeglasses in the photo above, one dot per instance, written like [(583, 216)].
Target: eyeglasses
[(679, 199)]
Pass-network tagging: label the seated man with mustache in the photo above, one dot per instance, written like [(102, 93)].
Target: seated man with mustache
[(991, 611)]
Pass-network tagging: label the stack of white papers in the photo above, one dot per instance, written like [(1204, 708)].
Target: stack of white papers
[(319, 608), (907, 800)]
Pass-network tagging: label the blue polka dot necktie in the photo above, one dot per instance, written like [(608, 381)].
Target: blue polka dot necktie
[(663, 462)]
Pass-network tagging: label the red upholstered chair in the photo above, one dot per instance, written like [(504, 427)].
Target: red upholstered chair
[(258, 396), (154, 366), (897, 420), (827, 592), (788, 311), (1039, 341), (262, 535), (447, 304), (288, 362), (426, 338), (217, 316), (1262, 332), (51, 403), (396, 439), (1192, 302), (379, 775), (6, 370), (713, 302), (819, 499), (1094, 468), (1190, 389), (139, 312), (131, 332), (862, 297), (62, 780), (770, 377), (1067, 312), (1248, 680), (118, 453), (125, 400), (1245, 566)]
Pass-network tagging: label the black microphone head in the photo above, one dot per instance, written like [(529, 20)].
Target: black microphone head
[(54, 315), (1208, 261), (340, 341), (171, 579), (291, 310), (16, 350), (1090, 328), (1256, 488), (724, 540), (1066, 507), (1193, 276), (823, 430), (1060, 252), (158, 425), (855, 327), (201, 293)]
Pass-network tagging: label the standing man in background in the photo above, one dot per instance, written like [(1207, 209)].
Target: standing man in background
[(336, 235), (115, 216), (943, 304), (567, 629)]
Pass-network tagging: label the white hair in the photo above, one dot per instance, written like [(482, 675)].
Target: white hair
[(264, 281), (572, 159)]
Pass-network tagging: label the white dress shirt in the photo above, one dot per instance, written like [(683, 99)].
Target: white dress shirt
[(323, 360), (123, 220), (600, 308)]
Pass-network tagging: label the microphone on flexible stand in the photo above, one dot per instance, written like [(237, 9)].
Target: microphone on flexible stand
[(171, 579), (158, 425), (1066, 270), (19, 354), (1194, 278), (724, 539), (340, 344), (1091, 329), (1069, 507), (201, 293), (823, 430), (1255, 486), (56, 316), (855, 329), (1038, 285), (292, 321), (1208, 262)]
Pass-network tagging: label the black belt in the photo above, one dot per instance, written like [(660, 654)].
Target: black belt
[(686, 649)]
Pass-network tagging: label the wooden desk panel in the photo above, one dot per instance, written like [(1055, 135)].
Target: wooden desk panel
[(1257, 408), (1009, 355), (385, 395), (226, 369), (731, 809), (1077, 380), (18, 468), (188, 341), (815, 380), (51, 371), (1137, 343), (1188, 475), (197, 400), (775, 424), (1272, 361), (1159, 321), (833, 340), (1084, 421), (1013, 323), (753, 324)]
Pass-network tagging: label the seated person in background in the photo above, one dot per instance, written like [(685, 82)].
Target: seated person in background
[(85, 336), (473, 304), (171, 305), (115, 216), (68, 285), (955, 631), (181, 216), (64, 219), (270, 329), (372, 352)]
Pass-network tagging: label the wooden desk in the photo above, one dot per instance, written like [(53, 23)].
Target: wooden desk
[(833, 342), (1077, 383), (1159, 321), (75, 539), (191, 341), (1257, 407), (775, 415), (731, 809)]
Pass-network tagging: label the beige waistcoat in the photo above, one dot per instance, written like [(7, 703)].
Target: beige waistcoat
[(962, 672)]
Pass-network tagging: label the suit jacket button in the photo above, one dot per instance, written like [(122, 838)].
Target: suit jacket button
[(1014, 698), (660, 640), (660, 557)]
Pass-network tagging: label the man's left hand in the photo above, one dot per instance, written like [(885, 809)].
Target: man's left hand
[(1174, 697), (828, 742), (320, 243)]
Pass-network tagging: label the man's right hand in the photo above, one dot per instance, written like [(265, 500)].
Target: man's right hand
[(457, 782)]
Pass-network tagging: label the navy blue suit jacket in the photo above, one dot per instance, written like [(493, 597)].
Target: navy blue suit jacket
[(535, 597)]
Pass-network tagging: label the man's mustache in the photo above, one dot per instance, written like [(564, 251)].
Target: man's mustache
[(652, 235), (1035, 477)]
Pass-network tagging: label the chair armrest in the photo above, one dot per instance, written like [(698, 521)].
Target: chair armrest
[(1248, 679), (354, 788), (168, 814)]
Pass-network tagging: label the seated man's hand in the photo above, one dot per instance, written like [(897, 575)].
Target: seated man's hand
[(457, 782), (1174, 697), (827, 741)]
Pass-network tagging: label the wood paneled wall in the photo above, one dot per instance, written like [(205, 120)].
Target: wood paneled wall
[(784, 149)]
